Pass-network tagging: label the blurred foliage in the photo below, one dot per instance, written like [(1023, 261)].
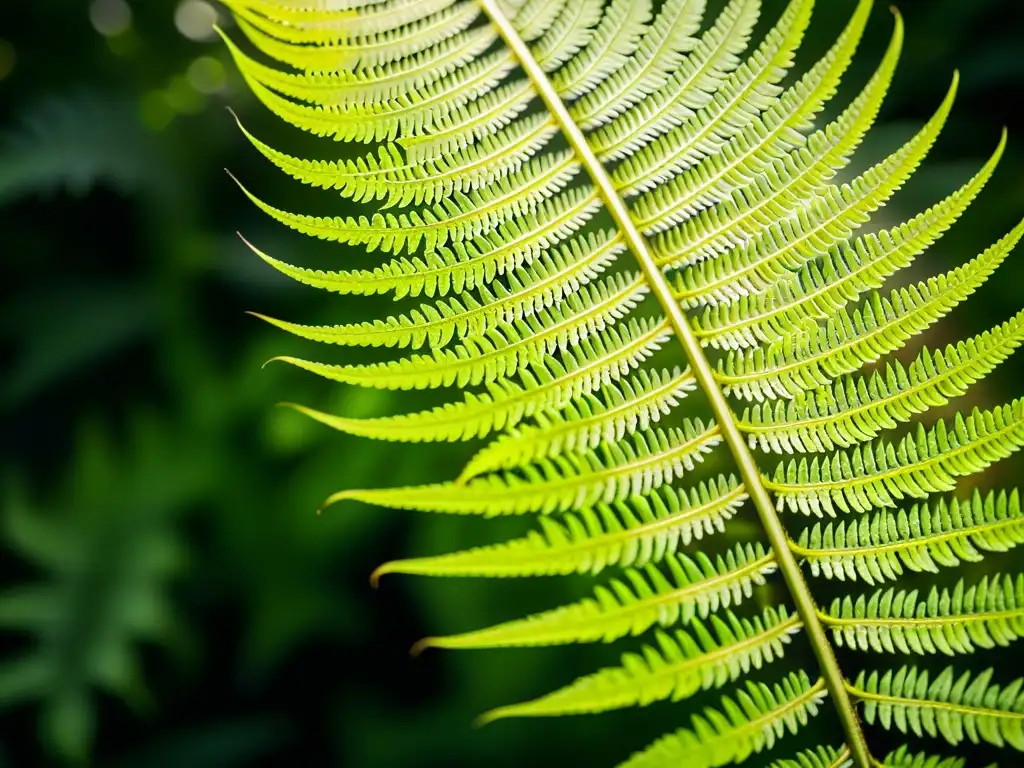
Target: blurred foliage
[(170, 598)]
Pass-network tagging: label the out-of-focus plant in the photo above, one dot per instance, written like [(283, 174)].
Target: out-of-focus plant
[(104, 548)]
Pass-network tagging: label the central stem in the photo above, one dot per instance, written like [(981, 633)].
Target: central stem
[(791, 572)]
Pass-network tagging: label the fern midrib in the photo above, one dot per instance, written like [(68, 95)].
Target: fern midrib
[(833, 679), (960, 709), (898, 546), (924, 621)]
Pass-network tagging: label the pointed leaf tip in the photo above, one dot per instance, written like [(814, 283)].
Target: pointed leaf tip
[(488, 717), (380, 570), (421, 645), (338, 497)]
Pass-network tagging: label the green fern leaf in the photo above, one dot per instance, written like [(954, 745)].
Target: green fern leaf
[(880, 474), (632, 532), (585, 424), (654, 458), (878, 547), (849, 340), (953, 707), (822, 757), (684, 588), (751, 722), (575, 191), (681, 665), (959, 621)]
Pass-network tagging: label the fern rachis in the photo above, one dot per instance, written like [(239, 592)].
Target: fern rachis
[(531, 156)]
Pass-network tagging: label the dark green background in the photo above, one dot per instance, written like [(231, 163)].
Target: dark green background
[(170, 597)]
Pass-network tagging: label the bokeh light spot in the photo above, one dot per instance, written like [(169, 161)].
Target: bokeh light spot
[(155, 112), (195, 19), (110, 17), (183, 97), (206, 74)]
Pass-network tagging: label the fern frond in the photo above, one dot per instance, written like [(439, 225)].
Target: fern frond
[(631, 532), (628, 405), (681, 589), (789, 242), (854, 410), (987, 614), (878, 547), (748, 208), (550, 280), (521, 148), (687, 87), (751, 723), (681, 664), (593, 361), (276, 40), (654, 458), (825, 285), (957, 708), (747, 92), (658, 54), (850, 340), (882, 473)]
